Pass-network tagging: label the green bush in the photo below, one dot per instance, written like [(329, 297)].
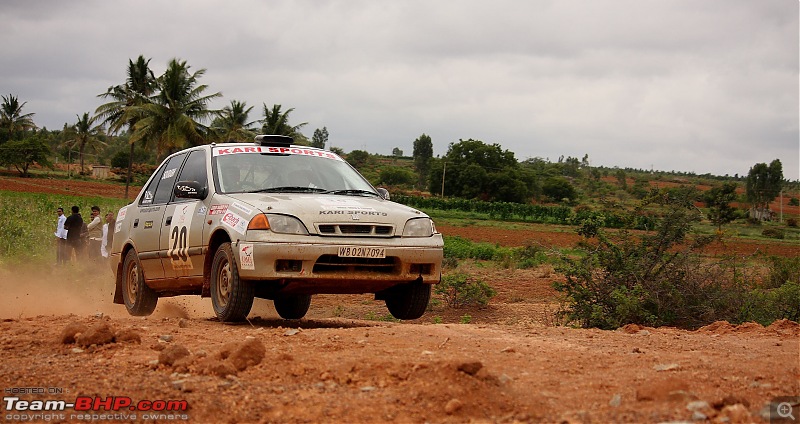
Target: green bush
[(530, 256), (461, 248), (782, 270), (775, 233), (655, 278), (765, 306), (461, 289)]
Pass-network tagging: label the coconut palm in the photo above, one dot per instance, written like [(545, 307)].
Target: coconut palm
[(232, 125), (173, 119), (117, 113), (85, 134), (12, 120), (277, 123)]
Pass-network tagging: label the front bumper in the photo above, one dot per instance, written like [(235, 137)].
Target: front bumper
[(317, 268)]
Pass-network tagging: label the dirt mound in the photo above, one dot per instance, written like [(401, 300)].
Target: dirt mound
[(785, 327)]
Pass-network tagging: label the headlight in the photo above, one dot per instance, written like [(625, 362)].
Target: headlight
[(286, 224), (419, 227)]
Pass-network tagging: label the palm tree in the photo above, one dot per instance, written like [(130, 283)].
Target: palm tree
[(84, 135), (12, 119), (277, 123), (138, 88), (232, 125), (173, 118)]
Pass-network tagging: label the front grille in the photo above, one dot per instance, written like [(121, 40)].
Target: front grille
[(355, 230), (334, 263)]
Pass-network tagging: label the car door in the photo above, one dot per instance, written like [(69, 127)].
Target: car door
[(182, 230), (146, 223)]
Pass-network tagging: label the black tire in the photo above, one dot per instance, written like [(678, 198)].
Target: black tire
[(140, 300), (408, 301), (292, 306), (231, 297)]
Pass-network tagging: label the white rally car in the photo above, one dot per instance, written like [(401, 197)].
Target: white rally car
[(272, 220)]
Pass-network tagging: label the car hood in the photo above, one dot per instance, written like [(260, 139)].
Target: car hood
[(328, 208)]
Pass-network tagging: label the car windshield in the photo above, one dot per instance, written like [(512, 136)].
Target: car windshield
[(248, 169)]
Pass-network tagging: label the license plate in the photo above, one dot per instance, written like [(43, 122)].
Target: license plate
[(362, 252)]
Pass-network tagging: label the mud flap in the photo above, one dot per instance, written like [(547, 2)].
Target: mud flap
[(118, 292)]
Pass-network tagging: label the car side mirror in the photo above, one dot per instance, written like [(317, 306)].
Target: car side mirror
[(384, 193), (190, 190)]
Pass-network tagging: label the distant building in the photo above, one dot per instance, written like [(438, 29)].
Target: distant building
[(100, 171)]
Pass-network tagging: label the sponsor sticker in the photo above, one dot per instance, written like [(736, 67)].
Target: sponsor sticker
[(222, 151), (148, 224), (242, 208), (118, 227), (343, 204), (218, 209), (121, 214), (246, 256), (202, 210), (236, 222), (169, 173)]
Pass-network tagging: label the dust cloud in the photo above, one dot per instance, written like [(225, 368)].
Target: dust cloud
[(83, 289)]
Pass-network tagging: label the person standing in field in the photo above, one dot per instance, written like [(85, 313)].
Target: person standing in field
[(95, 228), (73, 224), (108, 234), (61, 238)]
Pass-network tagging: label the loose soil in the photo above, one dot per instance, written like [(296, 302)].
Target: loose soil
[(348, 361)]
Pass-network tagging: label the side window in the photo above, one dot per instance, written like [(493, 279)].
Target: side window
[(195, 168), (150, 191), (167, 180)]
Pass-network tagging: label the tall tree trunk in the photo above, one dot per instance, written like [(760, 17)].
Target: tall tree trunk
[(83, 171), (130, 167)]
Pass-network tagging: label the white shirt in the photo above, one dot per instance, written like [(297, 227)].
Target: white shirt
[(104, 244), (61, 232)]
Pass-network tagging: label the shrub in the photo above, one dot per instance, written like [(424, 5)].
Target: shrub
[(791, 222), (655, 278), (530, 256), (461, 248), (767, 305), (782, 270), (396, 175), (794, 201), (775, 233), (460, 289)]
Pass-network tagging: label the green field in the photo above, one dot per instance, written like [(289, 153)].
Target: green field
[(28, 223)]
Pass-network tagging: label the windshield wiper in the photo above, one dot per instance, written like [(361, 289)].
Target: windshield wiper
[(352, 191), (290, 189)]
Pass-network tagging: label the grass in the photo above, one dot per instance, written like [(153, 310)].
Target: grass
[(29, 221)]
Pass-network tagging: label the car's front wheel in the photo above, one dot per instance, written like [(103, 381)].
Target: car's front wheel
[(231, 297), (408, 301), (140, 300), (292, 306)]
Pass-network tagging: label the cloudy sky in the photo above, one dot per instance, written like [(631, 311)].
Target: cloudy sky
[(697, 86)]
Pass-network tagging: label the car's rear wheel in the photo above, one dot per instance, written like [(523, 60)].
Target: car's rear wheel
[(140, 300), (231, 297), (292, 306), (408, 301)]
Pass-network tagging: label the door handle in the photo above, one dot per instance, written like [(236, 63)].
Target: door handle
[(168, 221), (135, 222)]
